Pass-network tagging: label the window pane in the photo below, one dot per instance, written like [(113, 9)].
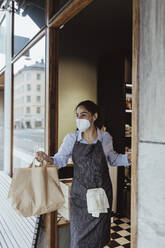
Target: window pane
[(29, 18), (28, 87), (38, 87), (28, 76), (2, 43), (58, 5), (29, 105), (38, 98), (28, 98), (38, 110), (38, 76), (27, 110)]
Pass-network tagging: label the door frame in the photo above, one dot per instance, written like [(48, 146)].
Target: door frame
[(62, 18), (51, 32), (135, 129)]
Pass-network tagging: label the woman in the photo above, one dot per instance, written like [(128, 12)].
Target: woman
[(91, 150)]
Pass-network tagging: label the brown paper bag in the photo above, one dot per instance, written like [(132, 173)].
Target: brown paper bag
[(35, 190)]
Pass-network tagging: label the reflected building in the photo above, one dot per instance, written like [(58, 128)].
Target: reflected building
[(29, 95)]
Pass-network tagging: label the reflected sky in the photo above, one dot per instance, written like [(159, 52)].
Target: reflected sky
[(36, 53), (2, 43), (28, 20)]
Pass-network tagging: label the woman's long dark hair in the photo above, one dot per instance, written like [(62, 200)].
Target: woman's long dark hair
[(93, 108)]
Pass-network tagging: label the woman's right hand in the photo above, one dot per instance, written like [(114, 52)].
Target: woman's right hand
[(40, 156)]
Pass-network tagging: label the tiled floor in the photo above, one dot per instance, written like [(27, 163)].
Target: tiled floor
[(120, 233)]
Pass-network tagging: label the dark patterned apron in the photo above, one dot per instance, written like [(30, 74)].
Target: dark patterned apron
[(90, 171)]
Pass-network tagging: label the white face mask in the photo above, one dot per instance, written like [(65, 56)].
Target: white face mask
[(82, 124)]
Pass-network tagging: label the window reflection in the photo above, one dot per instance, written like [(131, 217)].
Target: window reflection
[(58, 5), (28, 14), (29, 105), (2, 43)]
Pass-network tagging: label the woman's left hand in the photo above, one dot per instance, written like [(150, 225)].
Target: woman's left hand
[(129, 156)]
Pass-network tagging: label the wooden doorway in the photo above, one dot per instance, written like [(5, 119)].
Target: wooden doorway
[(68, 13)]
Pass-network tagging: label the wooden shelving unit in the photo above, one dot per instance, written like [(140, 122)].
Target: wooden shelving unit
[(128, 133)]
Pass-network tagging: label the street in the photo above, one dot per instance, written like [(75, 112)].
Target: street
[(27, 140), (26, 143)]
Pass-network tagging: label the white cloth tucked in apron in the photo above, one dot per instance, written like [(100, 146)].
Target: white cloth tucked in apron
[(97, 201)]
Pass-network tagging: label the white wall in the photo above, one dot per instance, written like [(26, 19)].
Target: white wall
[(77, 82), (151, 157)]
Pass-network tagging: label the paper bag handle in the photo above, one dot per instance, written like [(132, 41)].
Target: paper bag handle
[(42, 164)]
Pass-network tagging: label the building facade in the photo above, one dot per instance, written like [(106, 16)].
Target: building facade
[(29, 93)]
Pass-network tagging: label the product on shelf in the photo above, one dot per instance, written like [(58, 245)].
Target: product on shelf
[(127, 149), (128, 102), (128, 130)]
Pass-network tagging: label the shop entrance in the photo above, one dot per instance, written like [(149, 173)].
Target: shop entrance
[(95, 63)]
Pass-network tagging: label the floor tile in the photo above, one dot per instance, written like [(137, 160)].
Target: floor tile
[(124, 226), (125, 220), (123, 233), (115, 235), (118, 221), (120, 233), (126, 246), (128, 237), (114, 244), (117, 228), (122, 241)]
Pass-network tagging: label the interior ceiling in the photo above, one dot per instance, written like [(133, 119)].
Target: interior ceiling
[(105, 12), (101, 27)]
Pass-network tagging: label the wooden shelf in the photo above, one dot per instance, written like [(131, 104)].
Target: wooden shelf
[(128, 85)]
